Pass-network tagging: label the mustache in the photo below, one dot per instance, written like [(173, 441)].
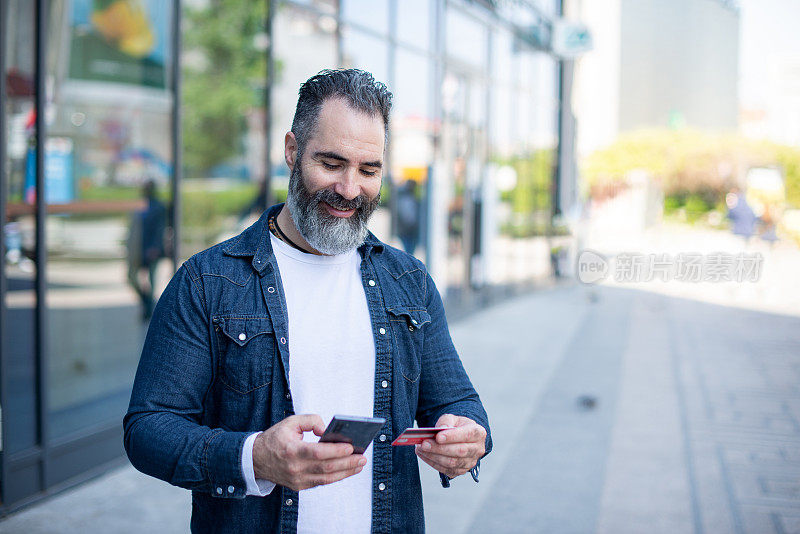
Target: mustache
[(337, 201)]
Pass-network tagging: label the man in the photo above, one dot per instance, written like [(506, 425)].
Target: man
[(305, 312), (146, 247)]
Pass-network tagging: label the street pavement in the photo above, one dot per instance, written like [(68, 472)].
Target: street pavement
[(613, 410)]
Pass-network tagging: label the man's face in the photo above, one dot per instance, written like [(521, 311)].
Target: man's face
[(335, 186)]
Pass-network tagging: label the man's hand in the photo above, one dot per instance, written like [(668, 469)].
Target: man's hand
[(455, 451), (281, 456)]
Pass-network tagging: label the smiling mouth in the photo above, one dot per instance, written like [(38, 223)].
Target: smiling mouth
[(337, 212)]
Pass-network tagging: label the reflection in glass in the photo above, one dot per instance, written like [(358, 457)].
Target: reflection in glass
[(108, 136), (412, 148), (19, 416), (466, 39), (523, 141), (411, 86), (502, 57), (464, 151), (371, 14), (413, 22), (363, 51), (224, 121)]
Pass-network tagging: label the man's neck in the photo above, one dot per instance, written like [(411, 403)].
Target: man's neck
[(288, 227)]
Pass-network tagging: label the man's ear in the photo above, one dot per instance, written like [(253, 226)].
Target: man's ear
[(290, 149)]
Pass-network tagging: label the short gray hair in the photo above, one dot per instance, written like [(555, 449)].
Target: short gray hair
[(357, 87)]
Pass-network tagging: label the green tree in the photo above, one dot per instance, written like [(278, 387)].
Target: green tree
[(224, 76)]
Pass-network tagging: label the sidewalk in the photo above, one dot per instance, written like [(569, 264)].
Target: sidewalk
[(695, 425)]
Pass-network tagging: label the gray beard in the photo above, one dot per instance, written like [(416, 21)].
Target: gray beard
[(326, 233)]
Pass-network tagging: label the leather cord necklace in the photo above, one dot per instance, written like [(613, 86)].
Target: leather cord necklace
[(277, 232)]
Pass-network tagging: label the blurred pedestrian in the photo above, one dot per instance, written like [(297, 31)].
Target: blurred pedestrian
[(146, 247), (769, 225), (408, 216), (741, 214)]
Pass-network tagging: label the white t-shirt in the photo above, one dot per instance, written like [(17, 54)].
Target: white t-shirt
[(331, 371)]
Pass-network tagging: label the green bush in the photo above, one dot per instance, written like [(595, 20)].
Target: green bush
[(672, 203), (696, 207), (688, 162)]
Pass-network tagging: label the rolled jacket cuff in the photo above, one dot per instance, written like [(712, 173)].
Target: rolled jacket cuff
[(222, 462)]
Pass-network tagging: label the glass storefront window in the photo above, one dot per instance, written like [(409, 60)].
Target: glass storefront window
[(466, 39), (108, 136), (305, 43), (364, 51), (502, 54), (371, 14), (413, 22), (224, 121), (412, 148)]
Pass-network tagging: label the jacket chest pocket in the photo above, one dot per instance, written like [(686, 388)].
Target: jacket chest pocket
[(408, 330), (247, 349)]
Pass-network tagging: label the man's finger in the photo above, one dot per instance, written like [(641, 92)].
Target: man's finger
[(325, 451), (453, 450), (330, 478), (336, 465), (306, 422), (449, 462), (472, 433), (443, 465)]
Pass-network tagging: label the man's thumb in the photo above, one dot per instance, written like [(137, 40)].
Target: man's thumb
[(447, 420)]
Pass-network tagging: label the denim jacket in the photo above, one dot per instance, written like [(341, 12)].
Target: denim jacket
[(202, 387)]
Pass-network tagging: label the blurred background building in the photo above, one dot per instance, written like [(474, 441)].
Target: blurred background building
[(656, 65), (96, 104)]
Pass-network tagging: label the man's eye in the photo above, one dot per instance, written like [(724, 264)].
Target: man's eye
[(330, 166), (368, 173)]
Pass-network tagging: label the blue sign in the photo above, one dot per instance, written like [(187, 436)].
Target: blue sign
[(59, 179)]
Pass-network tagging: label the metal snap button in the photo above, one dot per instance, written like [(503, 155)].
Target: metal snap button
[(384, 384), (283, 341), (271, 289), (410, 328), (289, 502), (382, 331), (242, 336), (381, 486), (230, 489), (383, 437), (219, 491), (371, 283)]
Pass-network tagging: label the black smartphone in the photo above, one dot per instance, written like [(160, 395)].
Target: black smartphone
[(358, 431)]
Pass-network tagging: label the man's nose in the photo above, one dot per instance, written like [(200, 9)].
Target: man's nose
[(348, 185)]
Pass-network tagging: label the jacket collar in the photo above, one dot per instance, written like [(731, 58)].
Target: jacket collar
[(254, 242)]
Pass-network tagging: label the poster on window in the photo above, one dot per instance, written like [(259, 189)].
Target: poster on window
[(120, 41)]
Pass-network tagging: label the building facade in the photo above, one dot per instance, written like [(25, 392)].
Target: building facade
[(656, 65), (99, 86)]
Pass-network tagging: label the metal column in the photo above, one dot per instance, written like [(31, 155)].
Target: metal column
[(177, 138), (3, 201), (40, 329)]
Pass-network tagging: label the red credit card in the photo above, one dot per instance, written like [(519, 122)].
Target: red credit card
[(415, 436)]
